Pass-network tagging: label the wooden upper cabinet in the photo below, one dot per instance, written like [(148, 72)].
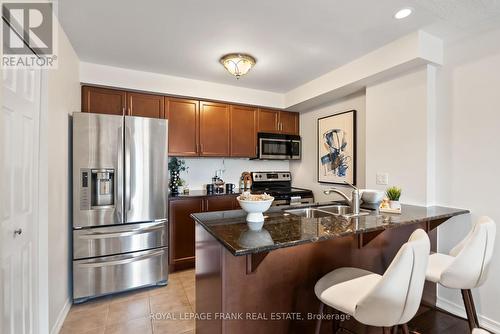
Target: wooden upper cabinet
[(145, 105), (268, 121), (103, 100), (214, 129), (243, 127), (289, 123), (183, 117)]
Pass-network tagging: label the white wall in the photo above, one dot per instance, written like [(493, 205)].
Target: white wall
[(171, 85), (468, 159), (305, 171), (201, 170), (396, 134), (63, 98)]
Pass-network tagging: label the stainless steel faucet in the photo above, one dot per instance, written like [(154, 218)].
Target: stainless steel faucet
[(353, 201)]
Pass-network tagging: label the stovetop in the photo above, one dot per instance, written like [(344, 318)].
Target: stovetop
[(278, 185)]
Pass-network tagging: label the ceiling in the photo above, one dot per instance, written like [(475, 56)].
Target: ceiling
[(294, 41)]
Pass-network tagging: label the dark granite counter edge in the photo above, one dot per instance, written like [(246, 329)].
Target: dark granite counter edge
[(300, 242), (200, 193)]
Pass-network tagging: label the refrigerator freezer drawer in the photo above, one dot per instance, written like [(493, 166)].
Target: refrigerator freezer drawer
[(105, 275), (124, 238)]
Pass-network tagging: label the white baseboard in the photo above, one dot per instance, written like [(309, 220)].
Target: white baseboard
[(61, 317), (486, 323)]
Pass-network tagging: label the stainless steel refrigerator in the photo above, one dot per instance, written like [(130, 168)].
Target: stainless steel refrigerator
[(120, 193)]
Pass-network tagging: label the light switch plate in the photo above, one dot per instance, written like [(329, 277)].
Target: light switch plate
[(382, 179)]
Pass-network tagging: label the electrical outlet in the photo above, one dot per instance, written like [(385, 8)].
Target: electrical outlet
[(382, 179)]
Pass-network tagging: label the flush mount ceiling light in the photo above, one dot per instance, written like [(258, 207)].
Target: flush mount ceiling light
[(238, 64), (402, 13)]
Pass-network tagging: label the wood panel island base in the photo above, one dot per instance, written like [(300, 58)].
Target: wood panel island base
[(263, 282)]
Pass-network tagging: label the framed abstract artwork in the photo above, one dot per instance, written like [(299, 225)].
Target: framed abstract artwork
[(337, 148)]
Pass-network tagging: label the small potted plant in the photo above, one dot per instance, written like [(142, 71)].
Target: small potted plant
[(176, 166), (393, 194)]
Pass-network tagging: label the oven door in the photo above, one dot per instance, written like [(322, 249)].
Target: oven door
[(274, 148)]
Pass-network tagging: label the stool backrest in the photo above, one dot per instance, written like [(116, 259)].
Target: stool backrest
[(472, 255), (396, 298)]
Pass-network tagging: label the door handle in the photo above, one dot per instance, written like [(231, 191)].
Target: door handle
[(18, 231)]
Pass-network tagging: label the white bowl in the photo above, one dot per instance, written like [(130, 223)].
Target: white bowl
[(255, 210), (372, 196)]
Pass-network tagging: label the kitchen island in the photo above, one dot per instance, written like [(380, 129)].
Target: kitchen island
[(262, 281)]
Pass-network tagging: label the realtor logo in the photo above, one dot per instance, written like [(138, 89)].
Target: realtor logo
[(28, 35)]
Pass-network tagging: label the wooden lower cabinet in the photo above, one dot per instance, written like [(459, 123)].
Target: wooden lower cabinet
[(219, 203), (182, 227)]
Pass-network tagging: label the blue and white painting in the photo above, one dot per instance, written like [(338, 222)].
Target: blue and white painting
[(336, 140)]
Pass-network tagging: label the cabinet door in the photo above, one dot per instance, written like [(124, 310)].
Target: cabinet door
[(183, 116), (182, 246), (103, 100), (145, 105), (289, 123), (219, 203), (243, 131), (268, 121), (214, 129)]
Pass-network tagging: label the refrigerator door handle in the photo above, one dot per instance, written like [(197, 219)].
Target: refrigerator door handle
[(103, 235), (128, 172), (119, 262), (119, 181)]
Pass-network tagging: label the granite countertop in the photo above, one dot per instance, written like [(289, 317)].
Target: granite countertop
[(282, 229), (202, 193)]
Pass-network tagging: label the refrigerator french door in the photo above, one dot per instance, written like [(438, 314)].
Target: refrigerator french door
[(120, 193)]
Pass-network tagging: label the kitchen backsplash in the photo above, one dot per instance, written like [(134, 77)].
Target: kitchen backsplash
[(201, 170)]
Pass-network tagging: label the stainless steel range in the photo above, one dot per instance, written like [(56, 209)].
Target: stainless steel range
[(279, 185), (120, 193)]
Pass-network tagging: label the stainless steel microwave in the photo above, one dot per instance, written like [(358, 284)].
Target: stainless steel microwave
[(272, 146)]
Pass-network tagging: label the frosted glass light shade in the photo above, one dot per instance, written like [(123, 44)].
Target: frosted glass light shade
[(238, 64)]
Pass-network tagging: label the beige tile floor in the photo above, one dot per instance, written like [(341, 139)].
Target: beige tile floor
[(131, 312)]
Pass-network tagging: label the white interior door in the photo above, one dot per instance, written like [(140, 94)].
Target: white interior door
[(19, 155)]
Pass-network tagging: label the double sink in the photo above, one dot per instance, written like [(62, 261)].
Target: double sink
[(327, 211)]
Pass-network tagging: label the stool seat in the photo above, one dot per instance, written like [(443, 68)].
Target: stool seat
[(479, 331), (438, 263), (343, 288)]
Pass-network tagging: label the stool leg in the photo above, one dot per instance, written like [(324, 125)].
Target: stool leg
[(405, 329), (318, 321), (395, 329), (335, 322), (386, 330), (470, 309)]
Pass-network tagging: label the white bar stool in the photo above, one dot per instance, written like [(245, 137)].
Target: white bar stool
[(383, 301), (466, 267)]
